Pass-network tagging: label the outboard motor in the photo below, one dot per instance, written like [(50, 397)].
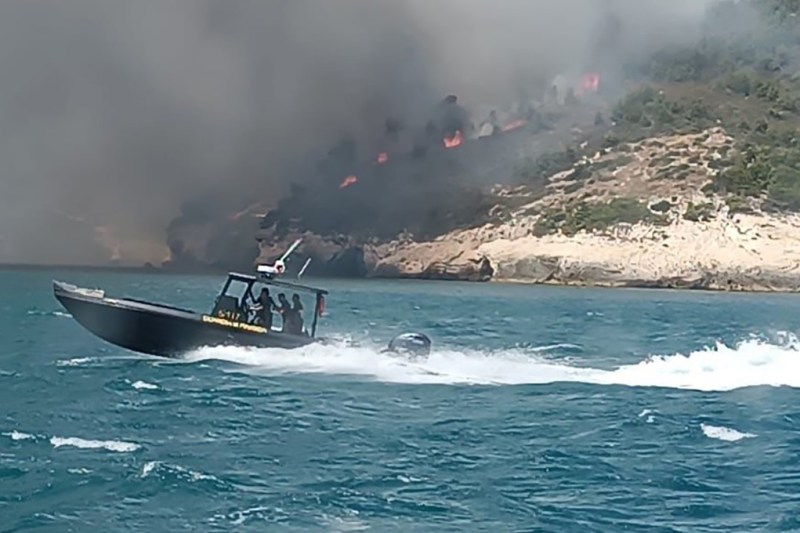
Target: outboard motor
[(410, 344)]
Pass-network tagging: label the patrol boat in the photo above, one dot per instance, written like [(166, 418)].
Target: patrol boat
[(168, 331), (164, 330)]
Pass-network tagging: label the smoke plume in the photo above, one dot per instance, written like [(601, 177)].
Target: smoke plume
[(115, 113)]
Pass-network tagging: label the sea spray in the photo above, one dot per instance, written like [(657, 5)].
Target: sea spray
[(750, 363)]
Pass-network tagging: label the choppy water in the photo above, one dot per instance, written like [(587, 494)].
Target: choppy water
[(541, 409)]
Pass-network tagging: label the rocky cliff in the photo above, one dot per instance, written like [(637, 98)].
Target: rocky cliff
[(641, 214), (689, 180)]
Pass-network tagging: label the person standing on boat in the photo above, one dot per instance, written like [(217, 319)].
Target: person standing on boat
[(264, 308), (285, 309), (297, 311)]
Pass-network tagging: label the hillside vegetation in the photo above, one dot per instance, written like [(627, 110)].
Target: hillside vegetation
[(742, 77)]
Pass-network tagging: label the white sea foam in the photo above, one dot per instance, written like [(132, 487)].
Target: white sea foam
[(76, 361), (649, 414), (336, 523), (148, 467), (723, 433), (143, 385), (192, 475), (57, 442), (18, 435), (718, 368), (34, 312), (110, 445)]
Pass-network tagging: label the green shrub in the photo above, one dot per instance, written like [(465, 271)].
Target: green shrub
[(738, 83), (737, 204), (580, 172), (598, 119), (699, 212), (662, 206), (595, 216), (770, 169), (768, 90), (648, 109), (546, 165), (784, 187)]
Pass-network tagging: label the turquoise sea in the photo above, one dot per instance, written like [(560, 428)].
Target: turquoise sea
[(540, 409)]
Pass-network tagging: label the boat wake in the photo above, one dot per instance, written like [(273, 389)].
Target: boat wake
[(716, 368)]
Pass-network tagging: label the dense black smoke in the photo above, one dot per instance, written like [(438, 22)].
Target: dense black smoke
[(115, 113)]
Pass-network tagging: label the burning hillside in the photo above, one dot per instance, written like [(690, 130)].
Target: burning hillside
[(405, 163), (423, 179)]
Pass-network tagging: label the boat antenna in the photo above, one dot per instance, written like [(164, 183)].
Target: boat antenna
[(291, 249), (279, 267), (305, 266)]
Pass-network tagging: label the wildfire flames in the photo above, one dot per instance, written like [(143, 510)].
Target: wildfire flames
[(348, 181), (590, 83), (456, 140), (511, 126)]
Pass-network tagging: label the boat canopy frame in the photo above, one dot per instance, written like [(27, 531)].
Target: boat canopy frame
[(250, 281)]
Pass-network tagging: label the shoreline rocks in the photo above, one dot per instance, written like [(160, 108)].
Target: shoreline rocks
[(756, 252)]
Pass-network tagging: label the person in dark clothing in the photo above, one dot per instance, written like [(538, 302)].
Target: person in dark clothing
[(297, 310), (285, 309), (264, 308)]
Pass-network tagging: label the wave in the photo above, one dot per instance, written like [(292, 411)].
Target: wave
[(61, 314), (18, 435), (75, 442), (75, 361), (143, 385), (178, 470), (720, 367), (110, 445), (724, 434)]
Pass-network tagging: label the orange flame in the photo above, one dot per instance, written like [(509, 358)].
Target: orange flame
[(590, 82), (516, 124), (455, 140), (348, 181), (383, 157)]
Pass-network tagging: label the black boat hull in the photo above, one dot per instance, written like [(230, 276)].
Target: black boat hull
[(162, 330)]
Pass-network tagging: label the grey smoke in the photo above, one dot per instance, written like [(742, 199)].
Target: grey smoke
[(115, 112)]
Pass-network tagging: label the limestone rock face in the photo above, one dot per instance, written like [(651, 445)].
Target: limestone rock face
[(397, 259), (692, 241), (473, 267), (755, 252)]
